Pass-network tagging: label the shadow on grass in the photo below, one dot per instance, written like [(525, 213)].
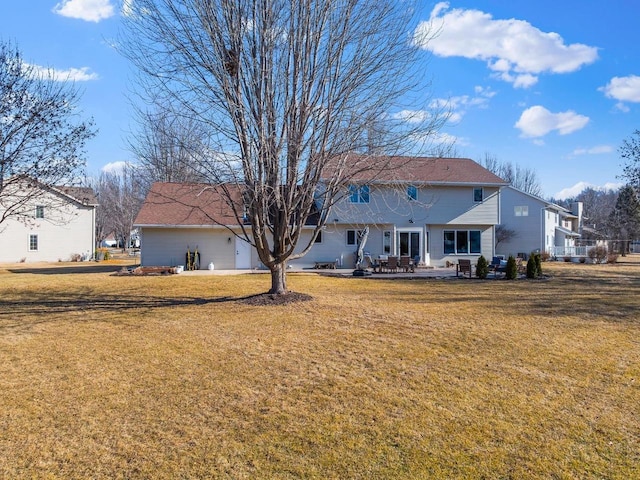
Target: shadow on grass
[(24, 311), (73, 269), (610, 296)]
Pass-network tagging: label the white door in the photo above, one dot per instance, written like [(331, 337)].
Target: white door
[(243, 255)]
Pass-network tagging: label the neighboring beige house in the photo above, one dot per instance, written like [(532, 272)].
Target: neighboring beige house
[(57, 224), (440, 209), (539, 226)]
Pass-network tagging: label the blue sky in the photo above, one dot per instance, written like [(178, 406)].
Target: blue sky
[(549, 85)]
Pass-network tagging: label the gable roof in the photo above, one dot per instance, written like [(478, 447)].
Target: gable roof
[(420, 170), (83, 195), (187, 204), (547, 204)]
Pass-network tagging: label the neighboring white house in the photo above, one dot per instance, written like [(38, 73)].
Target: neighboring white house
[(440, 209), (539, 226), (58, 224)]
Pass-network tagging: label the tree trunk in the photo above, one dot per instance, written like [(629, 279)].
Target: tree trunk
[(278, 279)]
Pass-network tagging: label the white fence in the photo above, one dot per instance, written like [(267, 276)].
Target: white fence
[(570, 251)]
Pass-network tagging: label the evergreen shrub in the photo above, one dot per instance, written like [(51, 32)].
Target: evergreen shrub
[(512, 268), (482, 267)]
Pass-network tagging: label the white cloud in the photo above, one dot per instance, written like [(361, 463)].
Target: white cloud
[(89, 10), (459, 105), (597, 150), (537, 121), (412, 116), (625, 89), (572, 192), (515, 50), (82, 74), (115, 167)]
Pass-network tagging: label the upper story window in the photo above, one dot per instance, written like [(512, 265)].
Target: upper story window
[(412, 192), (39, 211), (478, 194), (521, 211), (359, 194)]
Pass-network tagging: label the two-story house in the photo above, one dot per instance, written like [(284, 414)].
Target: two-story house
[(539, 226), (439, 209), (47, 224)]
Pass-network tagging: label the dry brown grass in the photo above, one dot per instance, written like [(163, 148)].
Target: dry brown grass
[(173, 377)]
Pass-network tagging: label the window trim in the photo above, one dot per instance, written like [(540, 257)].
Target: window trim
[(359, 194), (33, 242), (387, 235), (39, 211), (356, 234), (481, 190), (521, 210), (469, 242), (412, 193)]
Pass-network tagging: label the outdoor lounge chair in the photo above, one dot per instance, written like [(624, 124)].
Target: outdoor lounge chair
[(392, 264), (405, 263)]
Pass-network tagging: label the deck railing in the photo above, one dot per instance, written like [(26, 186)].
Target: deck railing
[(570, 251)]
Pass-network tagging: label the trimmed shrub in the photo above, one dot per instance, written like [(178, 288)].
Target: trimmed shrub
[(511, 272), (482, 267), (532, 271), (537, 258)]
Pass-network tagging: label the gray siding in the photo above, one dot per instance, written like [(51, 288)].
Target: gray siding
[(435, 205), (436, 209), (168, 246), (530, 230)]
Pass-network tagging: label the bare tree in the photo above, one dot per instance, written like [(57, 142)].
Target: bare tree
[(168, 146), (104, 226), (120, 195), (630, 151), (524, 179), (285, 89), (41, 136), (504, 234)]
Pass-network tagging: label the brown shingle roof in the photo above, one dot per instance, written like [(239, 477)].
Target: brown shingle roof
[(84, 195), (454, 171), (187, 205)]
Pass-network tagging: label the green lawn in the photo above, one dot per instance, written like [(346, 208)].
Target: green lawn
[(171, 377)]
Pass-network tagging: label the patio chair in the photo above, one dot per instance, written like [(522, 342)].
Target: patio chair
[(392, 264), (405, 263), (498, 264)]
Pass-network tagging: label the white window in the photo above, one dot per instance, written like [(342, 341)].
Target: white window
[(352, 237), (33, 243), (521, 211), (462, 241), (39, 211), (359, 194), (412, 192), (386, 242)]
